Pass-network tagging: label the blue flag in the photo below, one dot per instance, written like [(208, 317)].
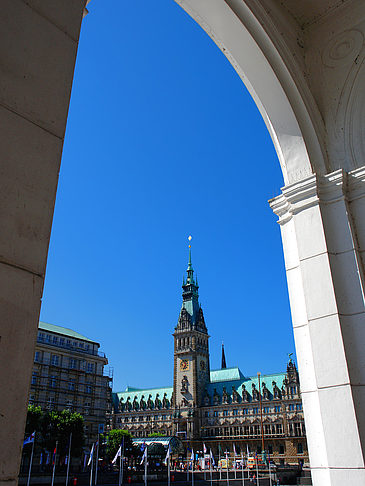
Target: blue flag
[(29, 439)]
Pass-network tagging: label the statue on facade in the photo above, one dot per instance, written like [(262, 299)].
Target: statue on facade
[(184, 384), (135, 403), (121, 404), (224, 395), (215, 397), (165, 402), (184, 402), (235, 395), (150, 402), (255, 393), (142, 403), (157, 401), (244, 393), (265, 391), (275, 390), (206, 399), (128, 404)]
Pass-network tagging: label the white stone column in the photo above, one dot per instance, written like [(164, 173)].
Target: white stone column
[(323, 231)]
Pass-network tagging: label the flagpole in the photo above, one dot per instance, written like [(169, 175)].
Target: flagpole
[(219, 462), (120, 470), (257, 471), (68, 459), (168, 470), (248, 469), (192, 472), (121, 479), (243, 476), (234, 462), (210, 463), (145, 468), (54, 463), (31, 461), (97, 461), (270, 473), (227, 460), (92, 465)]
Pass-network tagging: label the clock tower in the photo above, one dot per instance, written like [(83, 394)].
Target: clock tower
[(191, 358)]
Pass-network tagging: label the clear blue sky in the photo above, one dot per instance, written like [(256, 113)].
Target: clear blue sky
[(164, 141)]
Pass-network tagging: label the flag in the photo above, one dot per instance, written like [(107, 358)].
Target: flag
[(204, 448), (143, 446), (29, 439), (212, 458), (118, 454), (54, 456), (47, 458), (248, 452), (91, 455), (167, 455), (192, 456), (41, 459), (144, 457), (234, 450)]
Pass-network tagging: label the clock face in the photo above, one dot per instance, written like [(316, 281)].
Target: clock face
[(202, 365), (184, 365)]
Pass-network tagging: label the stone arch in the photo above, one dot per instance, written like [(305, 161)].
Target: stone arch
[(241, 36), (303, 63)]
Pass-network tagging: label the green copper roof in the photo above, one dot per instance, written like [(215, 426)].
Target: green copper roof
[(63, 330), (138, 392), (229, 377), (226, 374)]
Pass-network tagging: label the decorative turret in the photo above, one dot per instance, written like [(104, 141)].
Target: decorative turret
[(191, 314), (223, 366)]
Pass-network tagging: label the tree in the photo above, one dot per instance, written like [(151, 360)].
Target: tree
[(156, 434), (34, 419), (114, 439), (56, 426)]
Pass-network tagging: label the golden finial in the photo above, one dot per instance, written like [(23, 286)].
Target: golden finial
[(190, 238)]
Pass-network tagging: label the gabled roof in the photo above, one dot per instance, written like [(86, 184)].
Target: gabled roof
[(138, 392), (234, 377), (226, 374), (64, 331)]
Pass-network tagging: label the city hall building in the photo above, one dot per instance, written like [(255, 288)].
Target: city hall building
[(218, 407)]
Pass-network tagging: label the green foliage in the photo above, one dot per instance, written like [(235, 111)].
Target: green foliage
[(56, 426), (156, 434), (114, 439), (34, 419)]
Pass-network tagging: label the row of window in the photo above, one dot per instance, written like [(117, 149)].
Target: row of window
[(51, 402), (295, 429), (147, 418), (72, 363), (61, 341), (247, 430), (253, 410), (53, 382)]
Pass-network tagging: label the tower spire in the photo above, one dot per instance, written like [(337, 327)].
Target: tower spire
[(223, 358)]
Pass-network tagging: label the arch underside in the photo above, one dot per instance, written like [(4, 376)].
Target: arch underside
[(281, 55)]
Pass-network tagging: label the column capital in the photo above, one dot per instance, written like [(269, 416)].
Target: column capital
[(313, 190)]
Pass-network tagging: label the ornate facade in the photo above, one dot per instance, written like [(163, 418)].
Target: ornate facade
[(219, 407)]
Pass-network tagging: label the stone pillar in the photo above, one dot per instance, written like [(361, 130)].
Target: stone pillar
[(323, 231), (37, 52)]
